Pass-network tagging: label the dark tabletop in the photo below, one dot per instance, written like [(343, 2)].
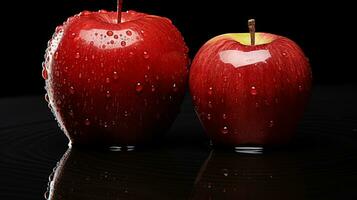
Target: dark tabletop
[(320, 163)]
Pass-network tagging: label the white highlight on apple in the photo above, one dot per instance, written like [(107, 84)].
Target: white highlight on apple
[(241, 58), (105, 39)]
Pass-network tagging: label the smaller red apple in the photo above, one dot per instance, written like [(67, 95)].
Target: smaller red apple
[(250, 89)]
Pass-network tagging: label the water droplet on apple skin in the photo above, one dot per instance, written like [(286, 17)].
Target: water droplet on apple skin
[(71, 90), (115, 75), (47, 98), (139, 87), (174, 87), (253, 91), (107, 94), (300, 88), (129, 33), (224, 130), (210, 91), (86, 122), (224, 116), (107, 80), (44, 74), (146, 55), (270, 123), (110, 33)]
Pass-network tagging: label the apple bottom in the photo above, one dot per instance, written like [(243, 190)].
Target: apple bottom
[(255, 130), (143, 134)]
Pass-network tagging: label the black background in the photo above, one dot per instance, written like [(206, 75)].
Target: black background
[(321, 29), (323, 155)]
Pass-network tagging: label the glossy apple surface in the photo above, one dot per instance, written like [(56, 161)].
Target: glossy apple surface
[(250, 94), (115, 83)]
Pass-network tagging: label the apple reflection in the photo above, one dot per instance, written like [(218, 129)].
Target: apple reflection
[(230, 175), (154, 174)]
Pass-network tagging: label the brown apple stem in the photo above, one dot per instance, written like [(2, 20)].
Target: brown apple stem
[(119, 8), (251, 26)]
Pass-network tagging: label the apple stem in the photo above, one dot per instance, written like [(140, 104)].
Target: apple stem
[(251, 26), (119, 8)]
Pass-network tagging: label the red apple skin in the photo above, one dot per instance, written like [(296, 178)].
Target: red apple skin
[(250, 95), (115, 84)]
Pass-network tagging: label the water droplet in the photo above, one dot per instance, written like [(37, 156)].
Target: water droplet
[(284, 54), (224, 116), (209, 116), (257, 105), (139, 87), (110, 33), (153, 88), (57, 73), (126, 113), (116, 36), (253, 91), (108, 94), (210, 91), (225, 78), (55, 56), (225, 172), (77, 55), (47, 98), (80, 75), (271, 123), (174, 87), (146, 55), (123, 43), (87, 122), (71, 90), (300, 88), (107, 80), (210, 104), (224, 130), (129, 33), (44, 74), (239, 75), (115, 75)]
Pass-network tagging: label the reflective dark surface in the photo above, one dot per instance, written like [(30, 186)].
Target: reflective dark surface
[(321, 163)]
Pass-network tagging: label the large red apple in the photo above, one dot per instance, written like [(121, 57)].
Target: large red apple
[(113, 83), (248, 94)]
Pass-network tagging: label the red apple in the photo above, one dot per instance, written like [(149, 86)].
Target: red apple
[(115, 83), (250, 94)]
